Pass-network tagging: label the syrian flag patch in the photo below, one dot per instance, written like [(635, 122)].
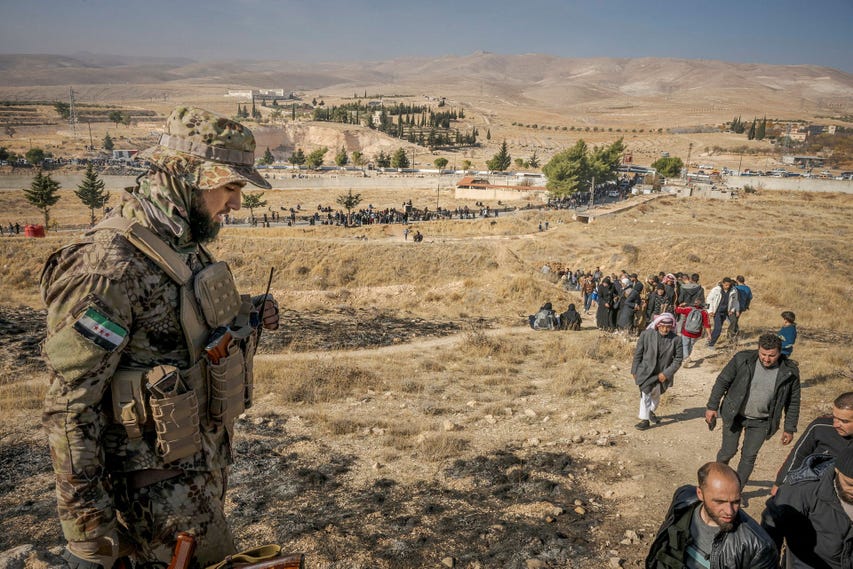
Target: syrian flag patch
[(99, 329)]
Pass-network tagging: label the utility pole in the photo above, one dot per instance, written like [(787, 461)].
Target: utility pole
[(91, 142), (592, 194), (72, 113), (687, 166), (437, 193)]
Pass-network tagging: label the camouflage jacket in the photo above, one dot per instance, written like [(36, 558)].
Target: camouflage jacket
[(107, 280)]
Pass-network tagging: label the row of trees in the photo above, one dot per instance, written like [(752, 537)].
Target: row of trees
[(756, 131), (36, 155), (43, 193)]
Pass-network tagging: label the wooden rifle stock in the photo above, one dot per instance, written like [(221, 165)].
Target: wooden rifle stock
[(184, 551), (285, 561)]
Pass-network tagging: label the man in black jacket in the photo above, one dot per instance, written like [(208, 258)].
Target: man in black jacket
[(829, 435), (755, 387), (814, 518), (705, 528)]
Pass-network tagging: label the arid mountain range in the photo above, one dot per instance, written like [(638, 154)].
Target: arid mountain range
[(564, 85)]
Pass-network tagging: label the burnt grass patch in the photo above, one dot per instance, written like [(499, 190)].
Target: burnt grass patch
[(345, 328), (22, 330), (388, 523)]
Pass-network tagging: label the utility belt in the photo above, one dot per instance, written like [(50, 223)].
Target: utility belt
[(176, 404), (219, 327)]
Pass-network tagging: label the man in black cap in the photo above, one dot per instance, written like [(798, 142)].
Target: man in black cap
[(814, 518)]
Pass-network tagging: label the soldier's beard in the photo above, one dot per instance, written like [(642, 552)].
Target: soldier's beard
[(203, 227)]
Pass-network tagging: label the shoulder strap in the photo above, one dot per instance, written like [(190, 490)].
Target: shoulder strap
[(174, 265), (151, 246)]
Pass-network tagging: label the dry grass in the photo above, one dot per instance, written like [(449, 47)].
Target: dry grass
[(26, 395), (316, 380)]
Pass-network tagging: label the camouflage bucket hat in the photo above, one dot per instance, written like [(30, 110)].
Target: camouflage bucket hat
[(212, 149)]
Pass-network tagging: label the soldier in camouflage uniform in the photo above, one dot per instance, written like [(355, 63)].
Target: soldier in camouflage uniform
[(126, 479)]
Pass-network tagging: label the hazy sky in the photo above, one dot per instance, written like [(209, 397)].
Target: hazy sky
[(756, 31)]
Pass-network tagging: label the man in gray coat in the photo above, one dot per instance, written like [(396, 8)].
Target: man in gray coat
[(658, 356)]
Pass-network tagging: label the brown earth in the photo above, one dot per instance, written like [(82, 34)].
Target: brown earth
[(404, 414)]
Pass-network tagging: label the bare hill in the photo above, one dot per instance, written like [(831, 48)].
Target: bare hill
[(589, 84)]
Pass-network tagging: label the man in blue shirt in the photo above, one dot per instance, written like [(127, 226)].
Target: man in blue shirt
[(744, 296)]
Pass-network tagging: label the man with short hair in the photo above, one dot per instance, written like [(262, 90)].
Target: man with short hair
[(814, 518), (150, 347), (705, 528), (828, 435), (722, 305), (744, 295), (755, 388), (691, 291)]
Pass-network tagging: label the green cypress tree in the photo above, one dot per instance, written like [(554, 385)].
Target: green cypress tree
[(43, 194), (500, 161), (751, 134), (761, 132), (91, 192)]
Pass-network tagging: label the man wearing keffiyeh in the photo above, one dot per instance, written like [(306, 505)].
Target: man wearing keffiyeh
[(656, 359)]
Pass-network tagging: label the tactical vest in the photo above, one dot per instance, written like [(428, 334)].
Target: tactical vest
[(177, 403)]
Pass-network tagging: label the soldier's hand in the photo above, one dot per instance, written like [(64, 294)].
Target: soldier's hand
[(269, 313)]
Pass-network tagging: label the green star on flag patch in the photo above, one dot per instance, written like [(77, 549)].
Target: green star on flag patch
[(99, 329)]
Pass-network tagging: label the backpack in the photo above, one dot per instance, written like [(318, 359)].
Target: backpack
[(545, 320), (693, 323), (812, 468)]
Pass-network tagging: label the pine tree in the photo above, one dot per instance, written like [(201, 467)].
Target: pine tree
[(268, 157), (500, 161), (762, 129), (488, 134), (341, 158), (43, 194), (751, 134), (108, 143), (91, 192), (297, 158), (400, 159), (534, 160)]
